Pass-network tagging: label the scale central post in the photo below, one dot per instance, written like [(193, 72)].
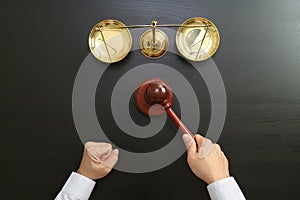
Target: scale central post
[(154, 43), (153, 27)]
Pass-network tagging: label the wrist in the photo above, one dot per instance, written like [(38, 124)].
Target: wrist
[(215, 179), (85, 174)]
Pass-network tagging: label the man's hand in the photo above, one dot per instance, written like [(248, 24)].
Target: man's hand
[(98, 160), (208, 162)]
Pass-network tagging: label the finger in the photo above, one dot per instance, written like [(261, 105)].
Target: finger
[(199, 140), (100, 147), (105, 156), (205, 149), (190, 144), (89, 144), (104, 149), (89, 149), (218, 148), (98, 150), (112, 159), (188, 140)]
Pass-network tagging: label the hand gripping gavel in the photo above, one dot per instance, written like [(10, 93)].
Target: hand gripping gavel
[(155, 92)]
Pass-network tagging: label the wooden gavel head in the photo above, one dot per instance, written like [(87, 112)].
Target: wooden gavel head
[(156, 93)]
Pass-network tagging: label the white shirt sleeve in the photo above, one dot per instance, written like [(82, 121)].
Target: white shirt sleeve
[(225, 189), (77, 187)]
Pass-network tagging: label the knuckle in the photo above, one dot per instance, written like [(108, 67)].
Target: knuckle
[(89, 147), (217, 146), (108, 145), (88, 144)]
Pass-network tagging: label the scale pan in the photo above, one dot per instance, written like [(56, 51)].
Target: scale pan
[(109, 42), (197, 43)]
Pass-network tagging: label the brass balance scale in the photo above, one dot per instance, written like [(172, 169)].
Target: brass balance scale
[(197, 39)]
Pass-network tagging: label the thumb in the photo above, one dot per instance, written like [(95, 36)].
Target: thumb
[(112, 159), (206, 147), (190, 144)]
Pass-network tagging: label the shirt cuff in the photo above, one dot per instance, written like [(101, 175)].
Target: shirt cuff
[(78, 186), (225, 189)]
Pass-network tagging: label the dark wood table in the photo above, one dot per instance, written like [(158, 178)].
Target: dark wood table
[(44, 43)]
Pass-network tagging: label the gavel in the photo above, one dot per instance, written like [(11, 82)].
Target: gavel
[(154, 92)]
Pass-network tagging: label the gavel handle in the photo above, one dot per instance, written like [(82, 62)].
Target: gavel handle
[(177, 121)]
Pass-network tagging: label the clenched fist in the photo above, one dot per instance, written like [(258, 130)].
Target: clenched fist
[(98, 160)]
